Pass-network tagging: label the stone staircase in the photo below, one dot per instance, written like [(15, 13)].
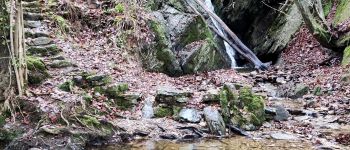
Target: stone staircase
[(41, 48)]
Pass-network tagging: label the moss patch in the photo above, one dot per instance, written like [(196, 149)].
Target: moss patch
[(161, 112), (346, 57), (37, 71), (343, 11), (67, 86)]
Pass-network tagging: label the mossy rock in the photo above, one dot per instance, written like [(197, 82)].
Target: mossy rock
[(47, 50), (172, 97), (67, 86), (161, 112), (37, 71), (116, 91), (244, 109), (98, 80), (300, 90), (204, 57), (160, 57)]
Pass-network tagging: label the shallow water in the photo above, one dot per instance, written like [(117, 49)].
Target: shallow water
[(236, 143)]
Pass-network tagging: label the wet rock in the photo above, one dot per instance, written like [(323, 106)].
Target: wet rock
[(214, 121), (40, 41), (190, 115), (47, 50), (32, 16), (283, 136), (281, 113), (32, 24), (211, 96), (171, 96), (37, 71), (147, 109), (141, 133), (61, 64), (168, 136)]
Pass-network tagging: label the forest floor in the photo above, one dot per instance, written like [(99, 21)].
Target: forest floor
[(320, 117)]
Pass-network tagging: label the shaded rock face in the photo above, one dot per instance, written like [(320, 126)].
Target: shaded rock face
[(261, 28), (182, 44)]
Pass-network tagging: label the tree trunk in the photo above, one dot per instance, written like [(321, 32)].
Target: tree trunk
[(12, 53)]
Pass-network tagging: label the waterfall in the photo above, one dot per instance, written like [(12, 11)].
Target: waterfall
[(229, 50)]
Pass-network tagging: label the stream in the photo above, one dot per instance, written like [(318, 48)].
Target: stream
[(234, 143)]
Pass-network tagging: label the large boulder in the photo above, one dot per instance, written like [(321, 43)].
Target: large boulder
[(242, 108), (183, 42), (264, 30)]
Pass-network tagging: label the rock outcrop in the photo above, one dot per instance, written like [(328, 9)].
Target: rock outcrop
[(183, 42)]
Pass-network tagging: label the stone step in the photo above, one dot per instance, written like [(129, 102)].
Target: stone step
[(36, 34), (33, 16), (40, 41), (48, 50), (61, 64), (32, 10), (32, 24), (33, 4), (29, 0)]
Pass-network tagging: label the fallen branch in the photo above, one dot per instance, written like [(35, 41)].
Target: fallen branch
[(240, 47)]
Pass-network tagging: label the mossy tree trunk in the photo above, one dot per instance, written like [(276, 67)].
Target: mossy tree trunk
[(334, 35), (12, 53)]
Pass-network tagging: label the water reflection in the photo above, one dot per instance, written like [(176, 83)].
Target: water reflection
[(238, 143)]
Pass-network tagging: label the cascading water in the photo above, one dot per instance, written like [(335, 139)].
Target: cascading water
[(229, 50)]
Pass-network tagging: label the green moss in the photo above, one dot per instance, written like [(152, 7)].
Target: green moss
[(318, 91), (254, 105), (327, 6), (197, 30), (90, 121), (161, 112), (346, 57), (35, 63), (61, 64), (116, 90), (2, 120), (44, 50), (61, 23), (37, 71), (7, 135), (67, 86), (98, 80), (162, 50), (119, 8), (87, 97), (343, 12)]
